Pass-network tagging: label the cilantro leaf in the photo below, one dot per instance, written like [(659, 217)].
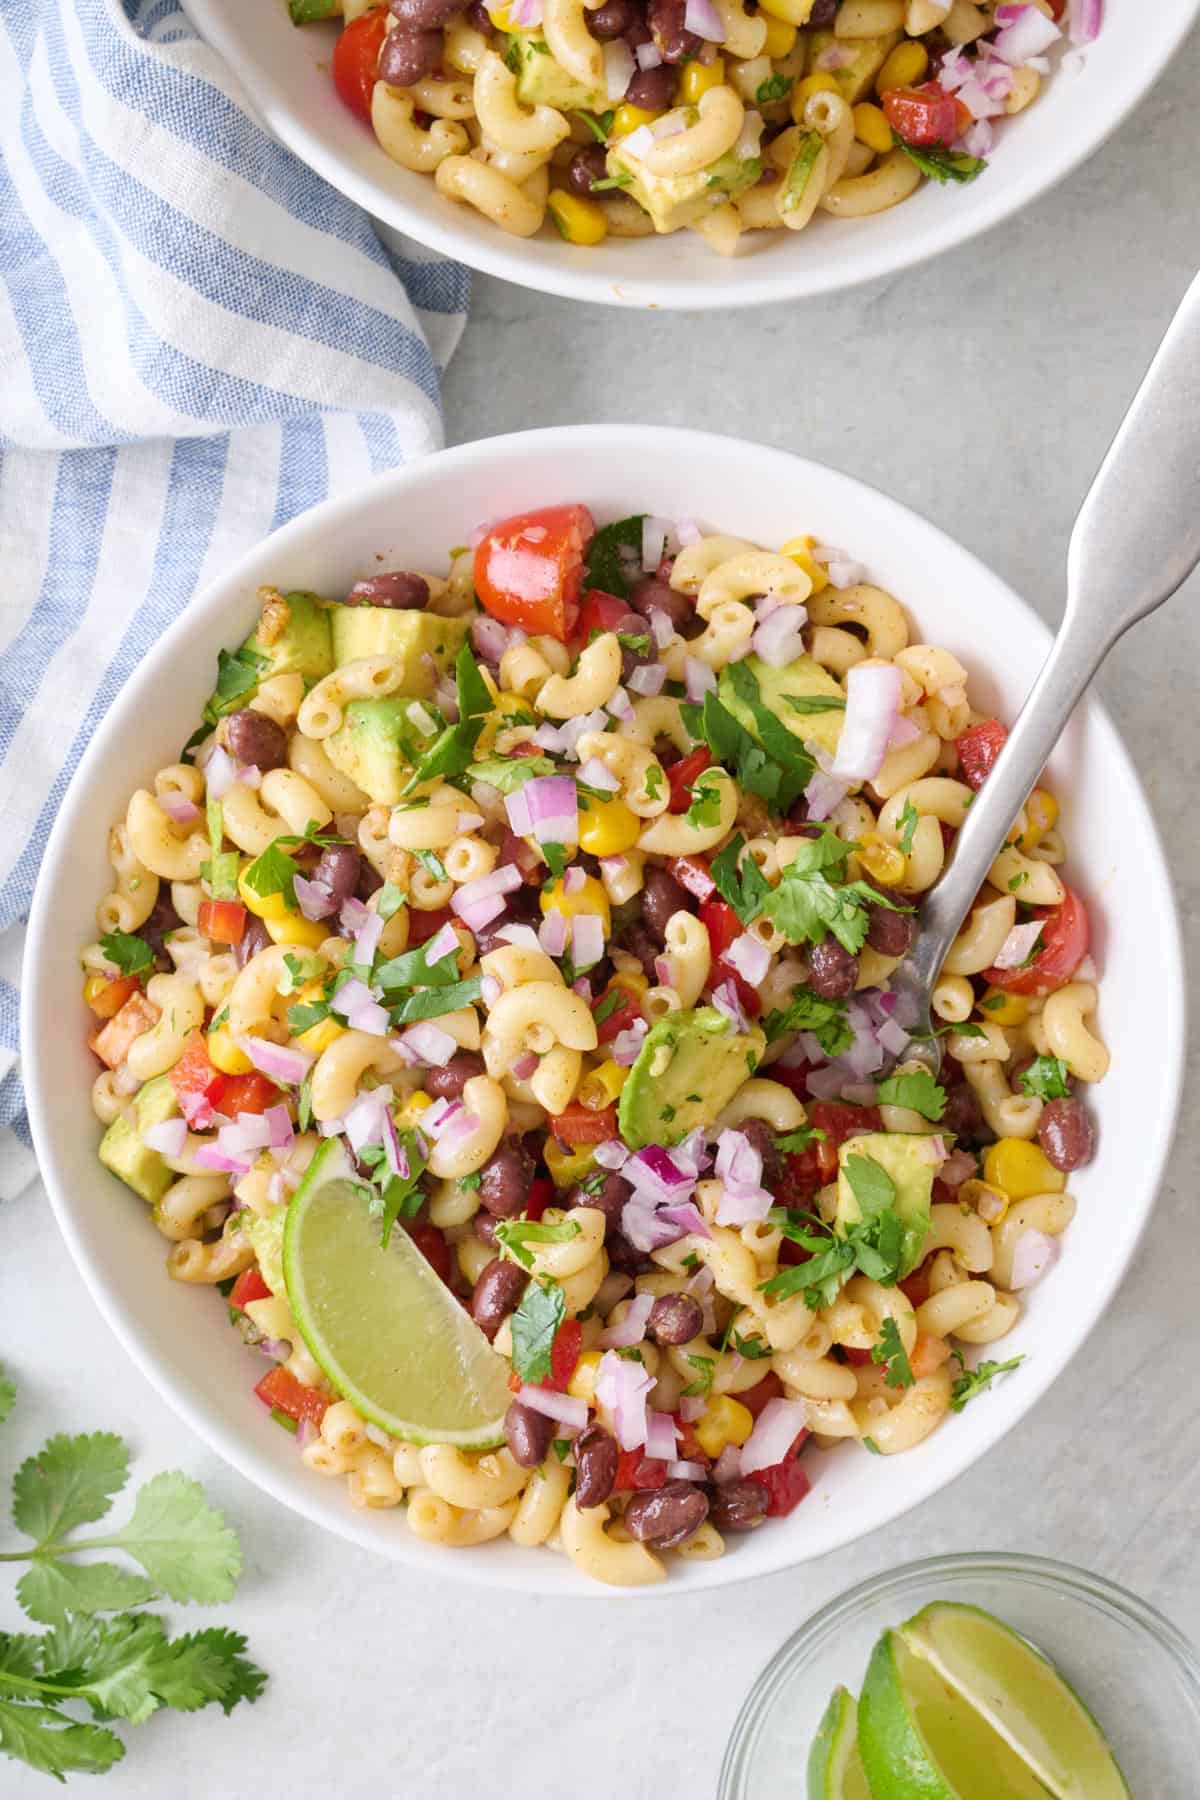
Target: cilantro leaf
[(389, 900), (918, 1091), (776, 87), (55, 1744), (940, 163), (437, 1000), (890, 1351), (796, 767), (274, 872), (808, 704), (599, 124), (706, 1368), (752, 1348), (516, 1235), (452, 752), (743, 888), (132, 955), (71, 1481), (413, 969), (508, 773), (807, 908), (792, 1143), (555, 857), (1047, 1078), (910, 818), (973, 1382), (303, 1017), (705, 808), (8, 1396), (304, 1103), (534, 1324), (48, 1591), (826, 1019), (432, 864), (238, 673), (732, 745), (607, 1005), (181, 1541), (870, 1184), (605, 567)]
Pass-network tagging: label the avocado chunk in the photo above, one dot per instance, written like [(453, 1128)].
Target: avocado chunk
[(907, 1157), (304, 12), (378, 742), (870, 53), (293, 636), (541, 81), (677, 200), (802, 679), (266, 1234), (423, 643), (689, 1068), (123, 1148)]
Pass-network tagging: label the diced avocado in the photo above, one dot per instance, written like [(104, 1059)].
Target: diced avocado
[(413, 638), (802, 679), (379, 741), (266, 1234), (541, 81), (123, 1148), (855, 78), (689, 1068), (293, 636), (304, 12), (677, 200), (732, 173), (907, 1157)]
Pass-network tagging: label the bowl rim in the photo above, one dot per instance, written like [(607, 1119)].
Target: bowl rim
[(217, 601), (1049, 1572), (767, 286)]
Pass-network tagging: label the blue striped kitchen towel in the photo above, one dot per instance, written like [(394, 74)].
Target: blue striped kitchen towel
[(198, 339)]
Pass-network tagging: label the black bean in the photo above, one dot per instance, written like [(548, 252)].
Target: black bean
[(675, 1319), (528, 1434), (611, 20), (447, 1083), (651, 595), (163, 919), (962, 1115), (404, 58), (609, 1199), (762, 1139), (662, 898), (632, 625), (484, 1226), (668, 1515), (625, 1257), (639, 942), (504, 1181), (425, 15), (823, 13), (595, 1466), (737, 1505), (832, 971), (369, 880), (587, 165), (495, 1295), (254, 938), (665, 19), (522, 909), (1066, 1133), (652, 89), (480, 18), (337, 871), (253, 738), (891, 933)]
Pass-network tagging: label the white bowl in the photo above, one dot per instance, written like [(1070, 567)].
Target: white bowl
[(285, 71), (179, 1336)]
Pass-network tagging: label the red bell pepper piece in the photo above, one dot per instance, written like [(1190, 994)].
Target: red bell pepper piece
[(636, 1472), (280, 1390), (221, 921), (248, 1286)]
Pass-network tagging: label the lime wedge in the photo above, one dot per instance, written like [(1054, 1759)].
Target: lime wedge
[(835, 1770), (920, 1740), (384, 1327), (1022, 1696)]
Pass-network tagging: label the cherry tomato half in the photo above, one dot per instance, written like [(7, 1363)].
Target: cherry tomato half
[(978, 747), (600, 612), (355, 56), (1063, 946), (682, 774), (529, 569)]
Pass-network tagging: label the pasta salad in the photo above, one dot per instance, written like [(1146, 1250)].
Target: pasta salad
[(494, 1003), (630, 117)]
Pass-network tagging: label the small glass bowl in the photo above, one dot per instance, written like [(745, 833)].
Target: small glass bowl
[(1137, 1673)]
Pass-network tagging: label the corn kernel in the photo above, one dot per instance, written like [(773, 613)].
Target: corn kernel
[(263, 906), (582, 1385), (607, 826), (318, 1037), (294, 928), (800, 551), (93, 987), (636, 982), (904, 66), (1020, 1169), (802, 93), (871, 128), (602, 1085), (792, 12), (1004, 1009), (725, 1421), (697, 78), (1041, 816), (567, 1167), (627, 118), (579, 221), (780, 39), (881, 860), (414, 1106), (589, 898), (224, 1054), (502, 17), (989, 1202)]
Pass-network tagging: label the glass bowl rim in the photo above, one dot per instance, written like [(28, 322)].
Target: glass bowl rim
[(1046, 1572)]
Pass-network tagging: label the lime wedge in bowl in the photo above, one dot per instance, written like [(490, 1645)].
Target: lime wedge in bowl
[(835, 1770), (382, 1324), (1021, 1695)]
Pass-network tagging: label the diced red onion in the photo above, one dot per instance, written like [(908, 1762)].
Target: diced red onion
[(638, 143), (315, 899), (618, 68), (979, 140), (698, 679), (525, 1066), (551, 808), (662, 1435), (686, 1219), (360, 1009), (220, 773), (658, 535), (904, 731), (490, 639), (623, 1387), (574, 729), (279, 1127), (179, 808), (552, 933), (837, 56), (278, 1349), (649, 56), (363, 1122), (396, 1155), (1025, 32), (1034, 1255), (777, 640), (842, 570), (743, 1205), (728, 1466), (1087, 16), (470, 821), (692, 1407), (168, 1138), (442, 944), (750, 958), (687, 1471), (276, 1188), (282, 1062), (565, 1408), (208, 1156), (693, 876), (654, 1171), (702, 17), (648, 678), (524, 935), (661, 628), (872, 703), (574, 879), (893, 1038), (958, 1167), (611, 1154), (366, 940), (824, 794), (826, 1083), (353, 915), (860, 1093), (594, 773), (632, 1328), (1018, 945), (429, 1044), (549, 737), (587, 940), (583, 987), (488, 887), (725, 999), (621, 706), (776, 1429), (626, 1046)]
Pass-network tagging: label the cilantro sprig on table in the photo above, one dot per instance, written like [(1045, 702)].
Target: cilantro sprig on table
[(94, 1657)]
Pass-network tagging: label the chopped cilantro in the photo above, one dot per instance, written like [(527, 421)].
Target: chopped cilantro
[(890, 1352), (302, 1018), (705, 808), (973, 1382), (606, 568), (508, 773), (516, 1235), (706, 1368), (752, 1348), (776, 87), (793, 1143), (826, 1019), (918, 1091), (131, 954), (534, 1324), (237, 681), (555, 856), (432, 864), (940, 163), (1047, 1078), (743, 888), (304, 1103), (600, 124), (389, 900), (608, 1005), (453, 750), (910, 818), (654, 780), (868, 1443), (808, 704), (433, 1002)]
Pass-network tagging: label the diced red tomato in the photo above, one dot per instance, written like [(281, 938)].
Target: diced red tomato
[(691, 872), (925, 115), (1061, 949), (199, 1087), (599, 612), (106, 998), (424, 925), (111, 1043), (529, 569), (251, 1093), (915, 1287), (724, 927), (858, 1359), (564, 1355), (279, 1389), (928, 1354), (786, 1482), (811, 1168), (433, 1248), (248, 1286), (636, 1471), (623, 1015), (222, 921), (581, 1124), (681, 777), (541, 1195), (355, 59), (755, 1398), (978, 747), (793, 1076)]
